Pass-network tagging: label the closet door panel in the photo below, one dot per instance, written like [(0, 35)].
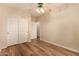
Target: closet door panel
[(23, 30), (12, 32)]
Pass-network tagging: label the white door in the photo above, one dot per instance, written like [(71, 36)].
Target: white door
[(34, 30), (23, 30), (12, 31)]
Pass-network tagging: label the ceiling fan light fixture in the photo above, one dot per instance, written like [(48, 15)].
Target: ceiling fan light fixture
[(42, 10), (41, 7)]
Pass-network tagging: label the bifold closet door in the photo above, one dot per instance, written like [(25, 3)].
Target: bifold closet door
[(12, 32), (23, 30)]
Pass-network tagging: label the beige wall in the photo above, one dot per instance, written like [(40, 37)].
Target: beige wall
[(61, 28)]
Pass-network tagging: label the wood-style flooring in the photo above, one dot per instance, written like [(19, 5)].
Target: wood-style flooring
[(37, 48)]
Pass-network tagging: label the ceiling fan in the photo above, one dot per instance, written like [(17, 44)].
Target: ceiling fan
[(41, 7)]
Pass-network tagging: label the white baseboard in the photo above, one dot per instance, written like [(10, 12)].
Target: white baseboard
[(62, 46)]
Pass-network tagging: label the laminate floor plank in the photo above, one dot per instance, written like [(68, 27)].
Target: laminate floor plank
[(37, 48)]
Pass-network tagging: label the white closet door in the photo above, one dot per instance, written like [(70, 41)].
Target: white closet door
[(23, 30), (12, 32)]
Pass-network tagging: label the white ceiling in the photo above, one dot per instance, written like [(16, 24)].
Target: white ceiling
[(29, 7), (19, 5)]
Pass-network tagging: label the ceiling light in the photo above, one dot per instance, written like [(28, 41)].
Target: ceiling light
[(41, 8)]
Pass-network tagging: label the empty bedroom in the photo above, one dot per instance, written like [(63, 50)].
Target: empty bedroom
[(39, 29)]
